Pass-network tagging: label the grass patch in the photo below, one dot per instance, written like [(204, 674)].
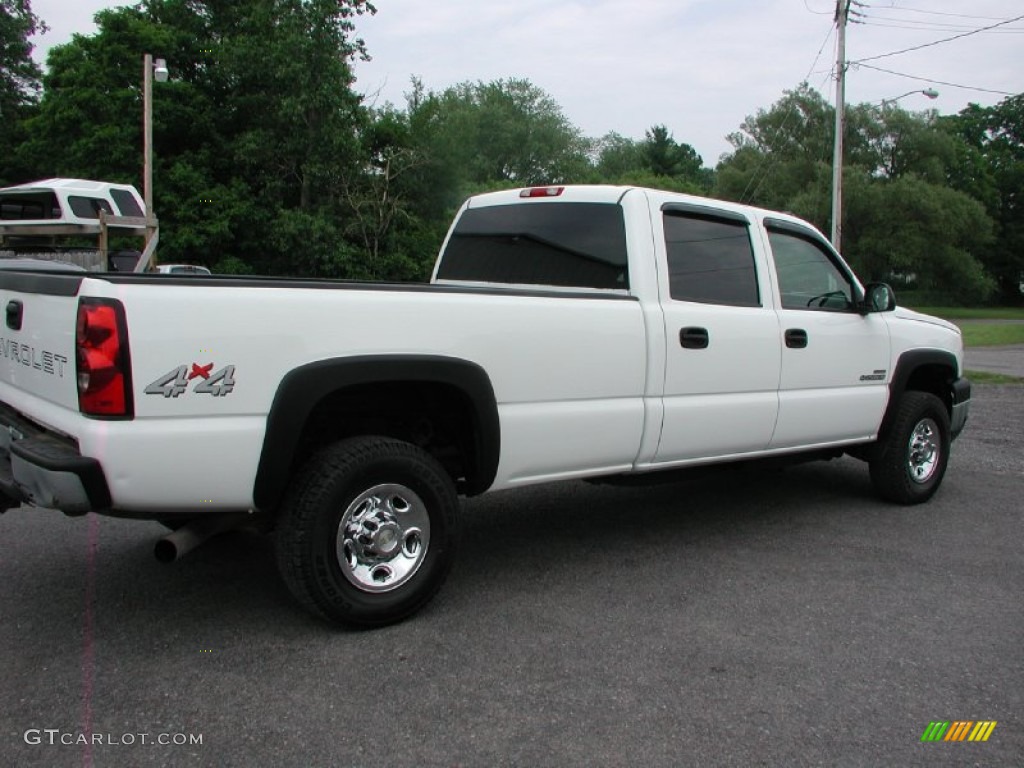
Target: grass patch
[(983, 335), (976, 313), (984, 377)]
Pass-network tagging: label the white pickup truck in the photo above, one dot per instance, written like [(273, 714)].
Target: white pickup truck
[(568, 332)]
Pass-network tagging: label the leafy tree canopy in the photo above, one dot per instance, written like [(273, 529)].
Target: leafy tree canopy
[(19, 79), (268, 160), (922, 204)]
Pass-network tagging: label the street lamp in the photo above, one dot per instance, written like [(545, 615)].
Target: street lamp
[(150, 70), (931, 93)]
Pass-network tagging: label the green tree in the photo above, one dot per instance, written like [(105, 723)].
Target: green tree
[(381, 200), (912, 231), (779, 150), (616, 156), (991, 167), (900, 219), (663, 156), (506, 132), (252, 134), (19, 79)]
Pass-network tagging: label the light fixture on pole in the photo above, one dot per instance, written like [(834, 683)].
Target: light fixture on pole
[(931, 93)]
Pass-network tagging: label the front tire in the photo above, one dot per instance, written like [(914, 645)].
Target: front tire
[(911, 459), (368, 531)]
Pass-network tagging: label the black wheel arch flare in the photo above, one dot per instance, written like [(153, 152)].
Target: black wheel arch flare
[(909, 368), (303, 388)]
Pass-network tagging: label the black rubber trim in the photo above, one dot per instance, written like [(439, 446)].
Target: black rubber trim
[(961, 390), (706, 211), (303, 388), (792, 228), (909, 362), (44, 283), (260, 281), (55, 454)]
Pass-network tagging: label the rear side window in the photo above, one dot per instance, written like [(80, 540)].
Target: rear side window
[(126, 202), (579, 245), (710, 260), (88, 207)]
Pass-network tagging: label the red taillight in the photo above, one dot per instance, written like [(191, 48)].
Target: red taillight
[(542, 192), (103, 365)]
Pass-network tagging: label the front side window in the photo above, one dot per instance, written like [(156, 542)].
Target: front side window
[(580, 245), (808, 278), (710, 260)]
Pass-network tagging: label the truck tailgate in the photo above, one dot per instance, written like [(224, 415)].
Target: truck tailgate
[(37, 340)]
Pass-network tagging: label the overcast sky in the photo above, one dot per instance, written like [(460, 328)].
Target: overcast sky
[(697, 66)]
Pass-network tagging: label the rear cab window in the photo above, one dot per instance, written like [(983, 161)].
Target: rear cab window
[(29, 207), (563, 244)]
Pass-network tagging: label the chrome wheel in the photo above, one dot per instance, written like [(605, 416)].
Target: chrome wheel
[(383, 537), (923, 451)]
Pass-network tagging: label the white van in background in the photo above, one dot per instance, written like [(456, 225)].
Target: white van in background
[(180, 269)]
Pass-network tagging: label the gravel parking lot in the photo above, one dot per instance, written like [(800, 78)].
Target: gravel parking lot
[(752, 618)]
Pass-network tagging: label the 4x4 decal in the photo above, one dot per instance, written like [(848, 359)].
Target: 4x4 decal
[(173, 383)]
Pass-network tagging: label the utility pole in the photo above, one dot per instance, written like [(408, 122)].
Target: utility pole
[(842, 16), (147, 141)]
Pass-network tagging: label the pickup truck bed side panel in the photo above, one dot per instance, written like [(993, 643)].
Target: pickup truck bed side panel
[(575, 364)]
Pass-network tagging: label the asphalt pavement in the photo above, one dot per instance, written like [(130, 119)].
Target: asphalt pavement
[(1008, 359), (749, 619)]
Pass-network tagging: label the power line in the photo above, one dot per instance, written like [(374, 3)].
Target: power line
[(819, 13), (766, 163), (1011, 31), (939, 13), (931, 80), (932, 26), (937, 42)]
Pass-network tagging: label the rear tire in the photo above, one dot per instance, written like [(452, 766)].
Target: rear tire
[(911, 459), (368, 531)]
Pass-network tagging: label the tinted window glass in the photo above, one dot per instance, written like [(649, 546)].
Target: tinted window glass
[(89, 207), (126, 202), (710, 260), (41, 205), (564, 244), (808, 279)]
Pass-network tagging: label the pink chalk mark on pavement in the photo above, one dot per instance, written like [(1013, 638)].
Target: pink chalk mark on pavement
[(88, 643)]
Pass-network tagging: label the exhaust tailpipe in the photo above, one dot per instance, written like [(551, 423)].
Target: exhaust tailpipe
[(177, 544)]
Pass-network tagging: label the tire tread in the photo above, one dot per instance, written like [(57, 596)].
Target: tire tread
[(888, 466), (310, 494)]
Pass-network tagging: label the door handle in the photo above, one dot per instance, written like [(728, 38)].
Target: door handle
[(796, 338), (694, 338)]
